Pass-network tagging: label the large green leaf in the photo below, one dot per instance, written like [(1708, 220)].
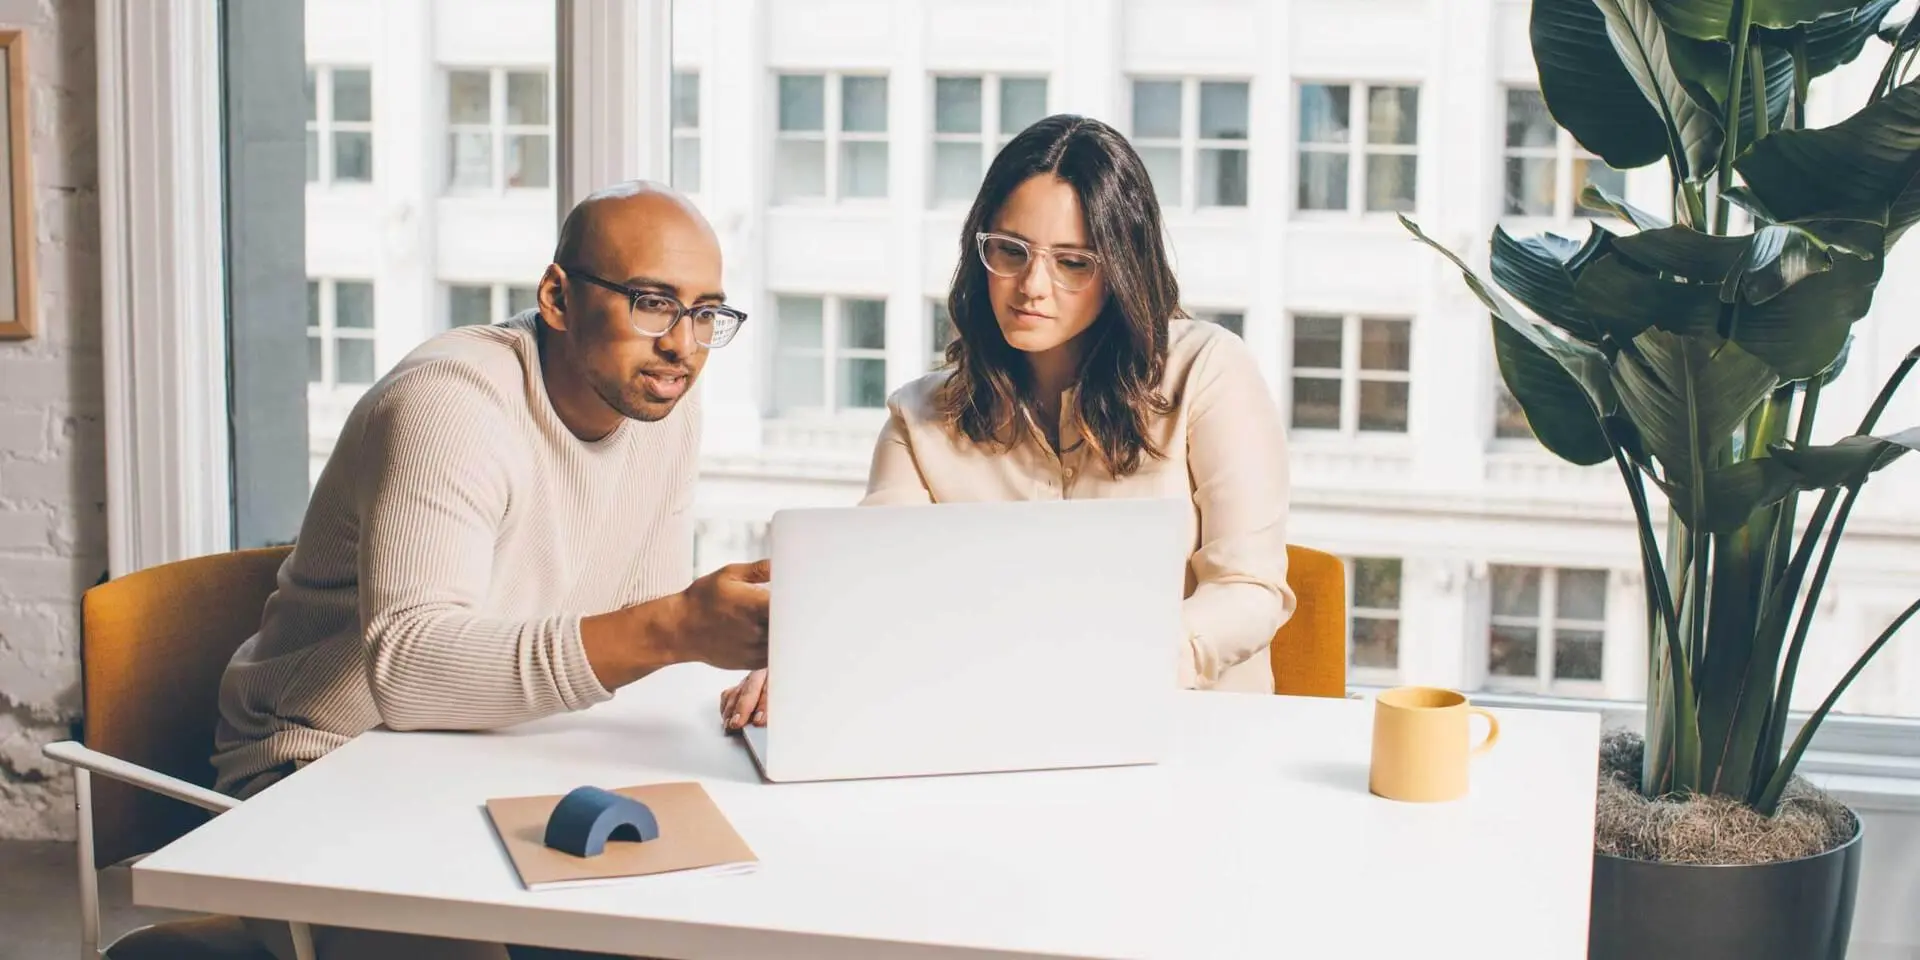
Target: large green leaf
[(1800, 332), (1563, 386), (1735, 490), (1683, 253), (1540, 271), (1687, 394), (1709, 19), (1625, 299), (1702, 66), (1641, 43), (1588, 90), (1594, 197), (1836, 40), (1846, 463), (1863, 168)]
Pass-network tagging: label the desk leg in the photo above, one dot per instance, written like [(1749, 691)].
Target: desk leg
[(302, 941)]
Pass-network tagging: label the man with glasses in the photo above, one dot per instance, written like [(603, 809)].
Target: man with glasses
[(504, 530)]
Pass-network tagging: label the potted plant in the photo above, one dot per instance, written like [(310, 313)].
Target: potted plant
[(1690, 351)]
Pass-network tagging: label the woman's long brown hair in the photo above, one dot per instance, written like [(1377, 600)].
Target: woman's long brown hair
[(1126, 346)]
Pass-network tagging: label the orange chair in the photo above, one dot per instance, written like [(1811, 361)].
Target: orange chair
[(153, 647), (1310, 650)]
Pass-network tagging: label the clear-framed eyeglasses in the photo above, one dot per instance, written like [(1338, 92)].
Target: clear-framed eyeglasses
[(652, 313), (1004, 256)]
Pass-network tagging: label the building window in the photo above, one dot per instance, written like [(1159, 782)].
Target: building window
[(1351, 374), (340, 333), (1359, 147), (832, 138), (973, 117), (940, 332), (1545, 167), (1233, 320), (686, 131), (1373, 621), (1509, 420), (1547, 628), (339, 125), (499, 130), (830, 354), (469, 304), (1192, 136)]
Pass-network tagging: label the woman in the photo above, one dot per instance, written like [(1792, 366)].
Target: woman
[(1076, 374)]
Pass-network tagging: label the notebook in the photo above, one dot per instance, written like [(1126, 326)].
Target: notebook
[(695, 838)]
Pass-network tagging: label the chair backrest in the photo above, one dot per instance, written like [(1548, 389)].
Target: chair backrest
[(1310, 650), (154, 644)]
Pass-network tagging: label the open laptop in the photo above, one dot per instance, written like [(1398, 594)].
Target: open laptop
[(968, 638)]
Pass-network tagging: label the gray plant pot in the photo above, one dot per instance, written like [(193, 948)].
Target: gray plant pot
[(1792, 910)]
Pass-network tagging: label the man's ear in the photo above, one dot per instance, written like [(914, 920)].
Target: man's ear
[(551, 297)]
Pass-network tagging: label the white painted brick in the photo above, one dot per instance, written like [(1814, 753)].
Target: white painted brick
[(52, 580), (23, 530), (56, 480), (46, 379), (23, 431)]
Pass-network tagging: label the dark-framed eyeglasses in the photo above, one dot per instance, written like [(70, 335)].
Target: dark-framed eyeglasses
[(652, 313), (1072, 268)]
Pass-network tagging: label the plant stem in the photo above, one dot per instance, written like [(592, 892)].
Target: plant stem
[(1739, 26), (1783, 526), (1769, 799), (1802, 77)]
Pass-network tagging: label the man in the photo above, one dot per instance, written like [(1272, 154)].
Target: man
[(504, 528)]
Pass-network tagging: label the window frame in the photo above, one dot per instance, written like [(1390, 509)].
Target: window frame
[(695, 134), (1548, 625), (497, 129), (831, 136), (1213, 314), (499, 299), (323, 126), (330, 333), (1351, 375), (937, 349), (1356, 148), (1374, 676), (1563, 153), (829, 353), (1190, 143), (991, 138)]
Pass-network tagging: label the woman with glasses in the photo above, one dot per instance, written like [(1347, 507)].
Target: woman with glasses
[(1076, 374)]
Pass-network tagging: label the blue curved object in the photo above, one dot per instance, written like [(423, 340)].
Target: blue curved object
[(587, 817)]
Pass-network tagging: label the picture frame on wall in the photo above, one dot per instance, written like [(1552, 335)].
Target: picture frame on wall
[(16, 193)]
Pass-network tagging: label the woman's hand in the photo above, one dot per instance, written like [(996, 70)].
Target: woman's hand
[(745, 703)]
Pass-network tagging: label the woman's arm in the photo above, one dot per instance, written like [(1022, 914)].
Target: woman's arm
[(1237, 462)]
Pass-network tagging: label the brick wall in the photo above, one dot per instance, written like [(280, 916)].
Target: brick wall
[(52, 482)]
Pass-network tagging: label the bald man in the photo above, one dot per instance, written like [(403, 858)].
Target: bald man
[(504, 529)]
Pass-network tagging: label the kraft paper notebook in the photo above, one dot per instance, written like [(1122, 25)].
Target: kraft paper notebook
[(694, 837)]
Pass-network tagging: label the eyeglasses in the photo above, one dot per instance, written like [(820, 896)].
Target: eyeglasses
[(1006, 256), (653, 314)]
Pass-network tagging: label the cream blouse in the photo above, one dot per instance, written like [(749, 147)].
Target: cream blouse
[(1225, 451)]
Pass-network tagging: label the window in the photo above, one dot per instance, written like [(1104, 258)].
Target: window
[(830, 354), (339, 125), (1233, 320), (1198, 127), (340, 333), (469, 304), (973, 117), (1359, 147), (686, 131), (1545, 167), (1546, 629), (832, 138), (1351, 373), (1509, 420), (1373, 621), (940, 332), (499, 130)]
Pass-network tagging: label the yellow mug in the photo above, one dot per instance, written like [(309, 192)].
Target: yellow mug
[(1420, 751)]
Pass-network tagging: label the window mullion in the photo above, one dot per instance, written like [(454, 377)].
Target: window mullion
[(829, 336), (1549, 616), (1356, 148), (830, 136), (1189, 137), (1350, 374)]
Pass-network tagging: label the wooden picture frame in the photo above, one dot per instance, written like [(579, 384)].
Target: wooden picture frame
[(16, 192)]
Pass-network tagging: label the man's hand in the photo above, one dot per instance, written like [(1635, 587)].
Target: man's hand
[(724, 616), (746, 703)]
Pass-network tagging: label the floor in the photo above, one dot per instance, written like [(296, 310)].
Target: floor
[(40, 902)]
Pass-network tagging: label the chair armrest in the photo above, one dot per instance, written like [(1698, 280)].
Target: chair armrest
[(78, 755)]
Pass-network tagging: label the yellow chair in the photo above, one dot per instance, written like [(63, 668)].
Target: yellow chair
[(153, 646), (1310, 650)]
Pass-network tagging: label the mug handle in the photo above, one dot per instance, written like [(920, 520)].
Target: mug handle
[(1493, 730)]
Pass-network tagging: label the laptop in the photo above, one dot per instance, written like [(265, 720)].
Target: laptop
[(971, 638)]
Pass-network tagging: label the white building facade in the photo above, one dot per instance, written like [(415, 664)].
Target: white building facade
[(835, 145)]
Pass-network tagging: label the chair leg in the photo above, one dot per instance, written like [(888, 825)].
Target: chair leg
[(89, 879), (302, 941)]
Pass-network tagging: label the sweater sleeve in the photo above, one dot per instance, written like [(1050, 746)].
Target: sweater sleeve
[(434, 494), (1237, 457)]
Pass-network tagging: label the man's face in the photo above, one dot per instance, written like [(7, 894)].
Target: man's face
[(655, 246)]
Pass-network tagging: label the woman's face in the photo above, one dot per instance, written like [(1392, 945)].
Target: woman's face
[(1045, 283)]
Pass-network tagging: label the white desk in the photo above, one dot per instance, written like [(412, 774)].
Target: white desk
[(1259, 839)]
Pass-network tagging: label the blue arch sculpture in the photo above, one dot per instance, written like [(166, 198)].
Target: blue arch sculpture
[(587, 817)]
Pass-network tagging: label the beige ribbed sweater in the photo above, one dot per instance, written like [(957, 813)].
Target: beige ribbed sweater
[(452, 545)]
